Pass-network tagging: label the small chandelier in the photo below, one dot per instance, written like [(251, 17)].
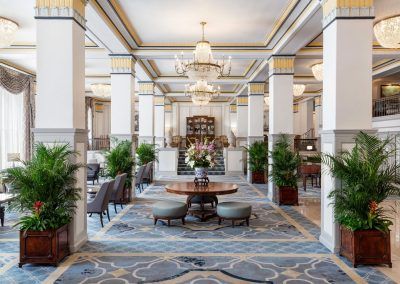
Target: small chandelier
[(203, 66), (318, 71), (201, 93), (298, 89), (387, 32), (8, 29), (101, 90)]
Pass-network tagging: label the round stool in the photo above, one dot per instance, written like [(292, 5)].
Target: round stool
[(169, 210), (234, 211)]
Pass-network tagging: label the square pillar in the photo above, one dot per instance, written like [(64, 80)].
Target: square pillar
[(122, 97), (60, 103), (241, 120), (146, 112), (281, 70), (347, 83), (159, 120), (255, 120)]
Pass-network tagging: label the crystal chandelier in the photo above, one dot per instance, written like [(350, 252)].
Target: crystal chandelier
[(201, 92), (8, 29), (101, 90), (203, 66), (387, 32), (318, 71), (298, 89)]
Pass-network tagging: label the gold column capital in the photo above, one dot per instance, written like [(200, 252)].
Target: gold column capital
[(295, 108), (168, 107), (242, 101), (159, 101), (147, 88), (233, 108), (318, 101), (256, 88), (122, 64), (333, 9), (281, 65)]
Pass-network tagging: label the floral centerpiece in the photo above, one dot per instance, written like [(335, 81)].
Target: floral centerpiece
[(201, 156)]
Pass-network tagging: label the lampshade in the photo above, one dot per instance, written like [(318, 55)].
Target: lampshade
[(298, 89), (101, 90), (203, 53), (318, 71), (387, 32), (8, 29)]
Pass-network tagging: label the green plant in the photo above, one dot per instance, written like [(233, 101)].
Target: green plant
[(45, 186), (284, 163), (314, 159), (367, 178), (120, 160), (258, 156), (146, 153)]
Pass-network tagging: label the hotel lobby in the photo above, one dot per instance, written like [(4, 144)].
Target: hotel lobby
[(200, 141)]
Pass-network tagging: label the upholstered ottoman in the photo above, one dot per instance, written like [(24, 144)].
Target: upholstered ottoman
[(234, 211), (169, 210)]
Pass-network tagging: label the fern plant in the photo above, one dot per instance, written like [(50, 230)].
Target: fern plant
[(367, 178), (258, 156), (284, 163), (120, 160), (45, 186), (146, 153)]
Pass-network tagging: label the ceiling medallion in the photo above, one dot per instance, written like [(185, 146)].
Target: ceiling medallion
[(387, 32), (203, 66), (8, 29), (318, 71), (101, 90), (201, 92), (298, 89)]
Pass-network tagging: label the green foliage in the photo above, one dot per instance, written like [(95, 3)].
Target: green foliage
[(367, 178), (258, 156), (314, 159), (284, 163), (119, 160), (146, 153), (48, 179)]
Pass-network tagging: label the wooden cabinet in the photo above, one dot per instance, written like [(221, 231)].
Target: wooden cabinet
[(200, 127)]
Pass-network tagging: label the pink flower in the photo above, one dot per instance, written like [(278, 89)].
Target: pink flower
[(37, 206)]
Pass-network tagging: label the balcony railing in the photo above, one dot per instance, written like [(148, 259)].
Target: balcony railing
[(386, 106), (98, 144)]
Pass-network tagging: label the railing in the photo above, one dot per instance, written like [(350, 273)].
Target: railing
[(386, 106), (309, 134), (305, 144), (98, 144)]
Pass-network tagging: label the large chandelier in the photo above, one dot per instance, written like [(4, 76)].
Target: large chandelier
[(201, 92), (101, 90), (298, 89), (203, 66), (318, 71), (387, 32), (8, 29)]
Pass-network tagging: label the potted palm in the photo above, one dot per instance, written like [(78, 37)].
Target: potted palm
[(367, 178), (45, 193), (146, 153), (119, 160), (285, 163), (258, 161)]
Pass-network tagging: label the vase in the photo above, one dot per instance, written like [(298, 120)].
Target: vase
[(200, 172)]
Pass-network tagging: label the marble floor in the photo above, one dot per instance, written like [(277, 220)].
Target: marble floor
[(280, 246)]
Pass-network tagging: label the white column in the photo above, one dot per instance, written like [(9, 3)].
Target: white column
[(232, 118), (241, 121), (281, 69), (168, 118), (306, 116), (146, 112), (347, 96), (159, 120), (255, 122), (60, 103), (122, 97)]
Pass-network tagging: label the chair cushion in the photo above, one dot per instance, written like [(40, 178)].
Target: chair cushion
[(234, 210), (169, 209)]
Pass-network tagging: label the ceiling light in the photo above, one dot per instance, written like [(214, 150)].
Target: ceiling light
[(298, 89), (203, 66), (8, 29), (101, 90), (201, 93), (387, 32), (318, 71)]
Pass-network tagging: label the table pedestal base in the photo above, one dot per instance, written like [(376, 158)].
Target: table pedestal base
[(202, 213)]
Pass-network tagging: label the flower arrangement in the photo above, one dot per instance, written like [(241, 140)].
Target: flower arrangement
[(201, 155)]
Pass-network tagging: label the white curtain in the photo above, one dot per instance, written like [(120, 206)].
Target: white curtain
[(11, 126)]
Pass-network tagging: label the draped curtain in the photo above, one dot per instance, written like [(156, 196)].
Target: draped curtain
[(16, 83)]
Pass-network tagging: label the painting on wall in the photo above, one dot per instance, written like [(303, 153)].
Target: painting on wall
[(390, 90)]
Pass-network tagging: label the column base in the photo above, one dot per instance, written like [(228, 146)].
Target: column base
[(160, 142), (115, 138), (233, 159), (146, 139)]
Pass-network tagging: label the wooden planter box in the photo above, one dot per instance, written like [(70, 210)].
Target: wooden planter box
[(365, 246), (288, 195), (43, 247), (257, 177)]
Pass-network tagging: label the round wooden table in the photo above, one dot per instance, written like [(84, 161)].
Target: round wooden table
[(202, 191)]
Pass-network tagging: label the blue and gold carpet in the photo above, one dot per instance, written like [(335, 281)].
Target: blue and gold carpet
[(279, 246)]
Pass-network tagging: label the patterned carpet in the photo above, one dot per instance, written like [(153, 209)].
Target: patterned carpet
[(279, 246)]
